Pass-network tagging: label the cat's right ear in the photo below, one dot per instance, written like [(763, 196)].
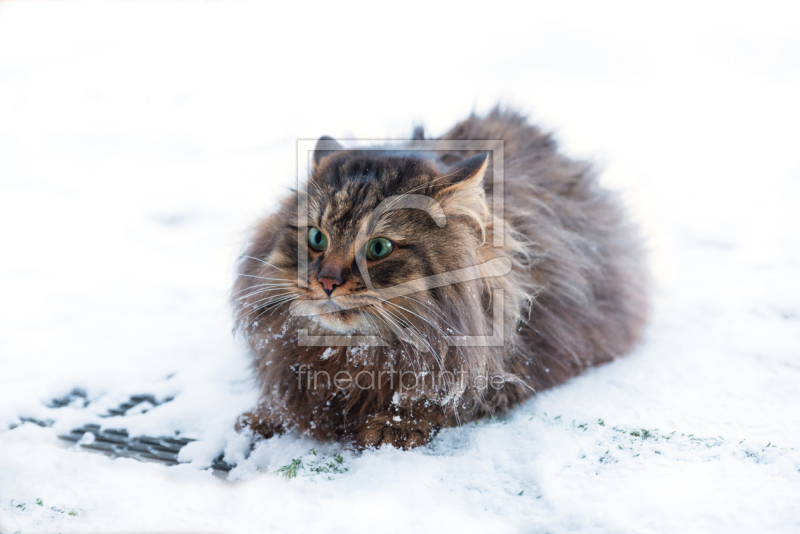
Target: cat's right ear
[(326, 146), (466, 174)]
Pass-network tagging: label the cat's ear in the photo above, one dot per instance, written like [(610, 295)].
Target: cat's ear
[(326, 146), (463, 193), (466, 174)]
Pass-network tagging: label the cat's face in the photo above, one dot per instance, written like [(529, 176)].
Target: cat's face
[(376, 226)]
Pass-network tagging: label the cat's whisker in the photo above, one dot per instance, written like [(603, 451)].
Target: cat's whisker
[(439, 358), (270, 300), (271, 297), (262, 290), (369, 323), (365, 318), (432, 310), (441, 315), (375, 318), (265, 310), (393, 327), (251, 288), (265, 288), (302, 304), (410, 326), (263, 261), (261, 277), (275, 306), (415, 332), (445, 335), (361, 314)]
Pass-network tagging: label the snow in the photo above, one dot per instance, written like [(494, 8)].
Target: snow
[(138, 142)]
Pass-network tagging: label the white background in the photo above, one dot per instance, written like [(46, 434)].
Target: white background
[(138, 142)]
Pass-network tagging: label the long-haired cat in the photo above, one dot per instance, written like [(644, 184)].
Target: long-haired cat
[(394, 313)]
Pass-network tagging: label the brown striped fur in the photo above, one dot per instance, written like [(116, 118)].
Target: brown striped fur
[(576, 296)]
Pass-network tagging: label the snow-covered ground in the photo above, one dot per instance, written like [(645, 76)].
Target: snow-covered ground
[(139, 141)]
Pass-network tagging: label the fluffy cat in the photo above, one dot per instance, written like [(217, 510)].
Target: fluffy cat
[(567, 288)]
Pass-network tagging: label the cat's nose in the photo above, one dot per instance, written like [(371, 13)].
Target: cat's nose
[(330, 276), (328, 285)]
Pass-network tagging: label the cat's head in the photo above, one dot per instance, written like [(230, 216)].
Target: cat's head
[(392, 241)]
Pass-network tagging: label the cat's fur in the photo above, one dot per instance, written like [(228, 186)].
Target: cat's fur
[(575, 297)]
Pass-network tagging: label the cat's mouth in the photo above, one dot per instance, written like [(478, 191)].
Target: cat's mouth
[(361, 313), (333, 316), (359, 316), (344, 322)]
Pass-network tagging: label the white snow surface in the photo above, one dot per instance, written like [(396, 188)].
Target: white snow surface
[(138, 142)]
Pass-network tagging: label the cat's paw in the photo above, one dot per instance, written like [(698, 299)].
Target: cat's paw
[(259, 424), (400, 432)]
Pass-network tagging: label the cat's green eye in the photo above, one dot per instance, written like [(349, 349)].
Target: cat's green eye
[(379, 248), (317, 240)]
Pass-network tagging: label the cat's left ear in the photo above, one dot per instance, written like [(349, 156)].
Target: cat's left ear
[(463, 193), (466, 174), (326, 146)]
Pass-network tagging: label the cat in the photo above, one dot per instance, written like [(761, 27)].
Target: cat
[(400, 262)]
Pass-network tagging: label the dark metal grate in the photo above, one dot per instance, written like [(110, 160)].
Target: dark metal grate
[(117, 442), (146, 448)]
